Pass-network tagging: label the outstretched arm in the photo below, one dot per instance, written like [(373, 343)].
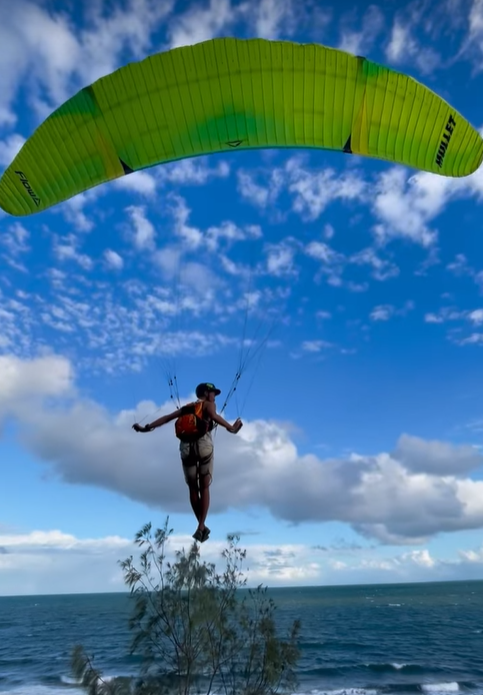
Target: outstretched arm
[(211, 410), (159, 422)]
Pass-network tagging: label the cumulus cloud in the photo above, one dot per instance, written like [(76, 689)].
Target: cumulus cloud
[(473, 43), (144, 234), (65, 249), (311, 191), (268, 19), (10, 147), (30, 380), (280, 258), (43, 51), (404, 213), (419, 490), (192, 172), (46, 562), (190, 236), (382, 269), (201, 23), (230, 232), (73, 209), (404, 206), (435, 457), (315, 345), (113, 259), (463, 318), (273, 17), (404, 46), (138, 182), (15, 239), (384, 312), (359, 42)]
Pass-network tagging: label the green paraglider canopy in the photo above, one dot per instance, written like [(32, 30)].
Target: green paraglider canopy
[(228, 94)]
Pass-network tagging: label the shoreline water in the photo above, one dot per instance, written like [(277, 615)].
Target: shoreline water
[(356, 640)]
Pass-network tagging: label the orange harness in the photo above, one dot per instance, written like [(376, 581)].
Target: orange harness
[(191, 425)]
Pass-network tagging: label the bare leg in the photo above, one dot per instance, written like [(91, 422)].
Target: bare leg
[(195, 501), (204, 501)]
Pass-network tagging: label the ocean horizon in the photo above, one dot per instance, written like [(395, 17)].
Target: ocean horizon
[(367, 639)]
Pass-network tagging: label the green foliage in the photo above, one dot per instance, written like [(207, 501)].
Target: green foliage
[(194, 630)]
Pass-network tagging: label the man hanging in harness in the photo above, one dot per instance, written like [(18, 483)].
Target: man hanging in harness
[(194, 423)]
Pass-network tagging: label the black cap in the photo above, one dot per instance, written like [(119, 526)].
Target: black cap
[(206, 386)]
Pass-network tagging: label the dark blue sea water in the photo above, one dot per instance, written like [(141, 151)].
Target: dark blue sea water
[(364, 640)]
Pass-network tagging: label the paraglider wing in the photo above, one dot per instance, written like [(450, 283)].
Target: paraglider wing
[(228, 94)]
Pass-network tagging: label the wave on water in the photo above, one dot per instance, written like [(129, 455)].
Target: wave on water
[(68, 687), (30, 689), (395, 666), (340, 691), (434, 688)]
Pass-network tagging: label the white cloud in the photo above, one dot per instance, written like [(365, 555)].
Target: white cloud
[(230, 232), (250, 190), (311, 191), (323, 252), (404, 207), (476, 317), (73, 209), (361, 42), (10, 147), (405, 213), (15, 239), (404, 48), (447, 314), (144, 233), (315, 345), (191, 236), (280, 258), (433, 318), (473, 44), (473, 339), (382, 312), (62, 541), (187, 172), (272, 18), (67, 251), (314, 191), (201, 24), (113, 259), (435, 457), (42, 51), (419, 490), (332, 264), (137, 182), (121, 327), (26, 381), (168, 260), (56, 562), (381, 269), (460, 265)]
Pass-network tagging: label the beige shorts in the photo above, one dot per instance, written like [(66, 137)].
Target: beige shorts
[(197, 459)]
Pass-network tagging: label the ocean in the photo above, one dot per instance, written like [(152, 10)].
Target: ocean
[(359, 640)]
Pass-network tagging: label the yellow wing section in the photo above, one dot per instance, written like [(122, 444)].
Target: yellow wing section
[(228, 94)]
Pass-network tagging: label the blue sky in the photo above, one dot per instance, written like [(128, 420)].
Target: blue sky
[(360, 458)]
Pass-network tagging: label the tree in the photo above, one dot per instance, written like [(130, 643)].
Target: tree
[(195, 630)]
